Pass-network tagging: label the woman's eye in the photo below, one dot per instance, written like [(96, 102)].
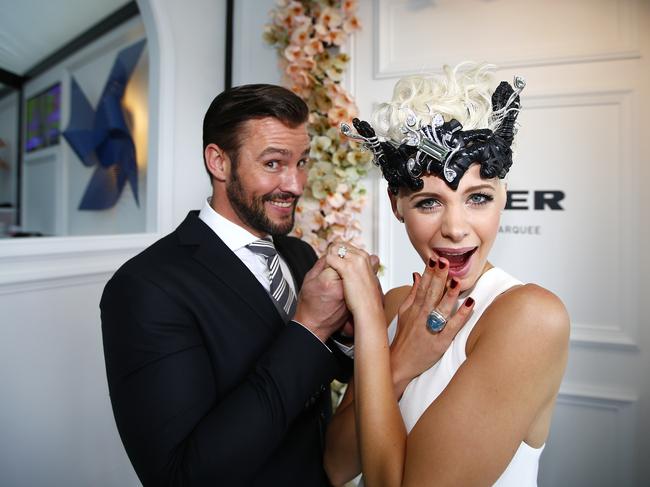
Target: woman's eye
[(303, 162), (427, 204), (272, 164), (480, 199)]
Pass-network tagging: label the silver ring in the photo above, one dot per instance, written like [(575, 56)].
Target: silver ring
[(342, 252), (436, 321)]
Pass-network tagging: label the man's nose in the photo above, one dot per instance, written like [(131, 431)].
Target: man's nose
[(294, 180)]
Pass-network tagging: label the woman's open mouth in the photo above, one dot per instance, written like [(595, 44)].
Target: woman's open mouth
[(459, 259)]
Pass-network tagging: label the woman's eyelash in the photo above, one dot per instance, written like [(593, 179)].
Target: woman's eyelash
[(485, 198), (425, 203)]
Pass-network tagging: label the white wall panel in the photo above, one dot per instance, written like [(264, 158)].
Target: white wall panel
[(609, 459), (579, 145), (421, 35), (42, 182), (55, 414)]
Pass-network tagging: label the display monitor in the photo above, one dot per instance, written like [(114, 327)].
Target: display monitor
[(43, 118)]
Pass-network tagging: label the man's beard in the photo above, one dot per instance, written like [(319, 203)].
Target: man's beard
[(252, 213)]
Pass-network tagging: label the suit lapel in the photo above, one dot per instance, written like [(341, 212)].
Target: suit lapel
[(212, 253)]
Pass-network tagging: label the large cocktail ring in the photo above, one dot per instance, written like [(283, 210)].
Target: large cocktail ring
[(436, 321)]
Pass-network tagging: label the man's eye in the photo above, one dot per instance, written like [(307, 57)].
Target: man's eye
[(272, 164), (303, 162)]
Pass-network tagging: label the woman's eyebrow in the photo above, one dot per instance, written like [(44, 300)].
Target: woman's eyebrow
[(426, 194)]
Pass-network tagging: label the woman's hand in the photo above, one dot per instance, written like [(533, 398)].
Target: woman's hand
[(358, 270), (415, 348)]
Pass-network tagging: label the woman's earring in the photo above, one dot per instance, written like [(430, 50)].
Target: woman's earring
[(401, 219)]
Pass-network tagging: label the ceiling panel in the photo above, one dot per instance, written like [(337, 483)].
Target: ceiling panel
[(31, 30)]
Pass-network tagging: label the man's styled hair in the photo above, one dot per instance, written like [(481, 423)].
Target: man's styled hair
[(231, 109)]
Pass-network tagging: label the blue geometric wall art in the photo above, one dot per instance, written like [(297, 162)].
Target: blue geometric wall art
[(101, 138)]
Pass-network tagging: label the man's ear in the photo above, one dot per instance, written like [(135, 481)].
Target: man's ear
[(217, 162), (395, 206)]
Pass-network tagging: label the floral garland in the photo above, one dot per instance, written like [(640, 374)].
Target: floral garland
[(308, 36)]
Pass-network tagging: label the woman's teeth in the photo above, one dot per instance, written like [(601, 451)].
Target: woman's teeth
[(457, 259)]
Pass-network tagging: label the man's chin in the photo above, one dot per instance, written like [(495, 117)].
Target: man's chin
[(281, 227)]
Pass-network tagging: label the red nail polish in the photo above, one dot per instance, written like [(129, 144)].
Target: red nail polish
[(441, 264), (432, 263), (469, 302), (453, 284)]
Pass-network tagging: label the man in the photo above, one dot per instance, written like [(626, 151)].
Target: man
[(211, 382)]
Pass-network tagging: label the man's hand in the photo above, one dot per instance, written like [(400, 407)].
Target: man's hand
[(321, 306)]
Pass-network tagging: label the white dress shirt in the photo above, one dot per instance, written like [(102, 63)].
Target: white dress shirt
[(236, 239)]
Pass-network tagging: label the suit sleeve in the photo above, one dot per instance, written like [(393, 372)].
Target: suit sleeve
[(174, 428)]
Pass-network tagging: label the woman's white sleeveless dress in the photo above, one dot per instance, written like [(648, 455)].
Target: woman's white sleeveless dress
[(424, 389)]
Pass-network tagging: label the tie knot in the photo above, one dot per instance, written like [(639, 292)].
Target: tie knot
[(264, 247)]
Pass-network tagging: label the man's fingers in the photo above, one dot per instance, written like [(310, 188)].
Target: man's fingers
[(374, 262), (318, 266), (330, 274)]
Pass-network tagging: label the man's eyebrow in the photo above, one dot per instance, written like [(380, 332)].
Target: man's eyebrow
[(274, 150), (281, 151)]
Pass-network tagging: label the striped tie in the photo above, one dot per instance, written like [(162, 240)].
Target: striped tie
[(280, 290)]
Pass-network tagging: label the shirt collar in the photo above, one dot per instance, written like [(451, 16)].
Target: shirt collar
[(234, 236)]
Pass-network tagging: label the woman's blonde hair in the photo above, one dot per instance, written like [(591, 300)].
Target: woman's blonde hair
[(463, 93)]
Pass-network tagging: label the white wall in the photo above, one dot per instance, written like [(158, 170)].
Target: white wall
[(254, 61), (56, 425), (9, 134)]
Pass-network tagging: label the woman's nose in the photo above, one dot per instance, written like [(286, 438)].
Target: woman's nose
[(454, 224)]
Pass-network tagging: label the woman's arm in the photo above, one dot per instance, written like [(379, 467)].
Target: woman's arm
[(341, 458), (380, 429), (469, 434)]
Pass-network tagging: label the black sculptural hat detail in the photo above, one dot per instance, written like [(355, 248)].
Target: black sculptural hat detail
[(444, 148)]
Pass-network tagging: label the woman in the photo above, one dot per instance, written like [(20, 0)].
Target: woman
[(461, 389)]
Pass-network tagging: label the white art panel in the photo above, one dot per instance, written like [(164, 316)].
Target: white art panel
[(41, 194), (569, 226), (422, 35)]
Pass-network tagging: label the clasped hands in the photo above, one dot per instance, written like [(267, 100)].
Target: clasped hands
[(343, 286)]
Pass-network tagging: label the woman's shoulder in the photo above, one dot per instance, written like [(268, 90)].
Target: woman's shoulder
[(392, 301), (527, 312)]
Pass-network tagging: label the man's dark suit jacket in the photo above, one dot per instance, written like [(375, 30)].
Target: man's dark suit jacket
[(208, 385)]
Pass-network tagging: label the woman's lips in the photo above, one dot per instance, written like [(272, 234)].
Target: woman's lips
[(459, 259)]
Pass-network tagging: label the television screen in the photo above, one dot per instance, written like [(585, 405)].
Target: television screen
[(43, 119)]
